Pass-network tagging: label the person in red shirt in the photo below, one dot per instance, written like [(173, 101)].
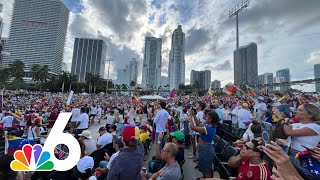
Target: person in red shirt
[(250, 163), (53, 117)]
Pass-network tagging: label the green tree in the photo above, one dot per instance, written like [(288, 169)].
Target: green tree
[(17, 72), (89, 80), (4, 75), (124, 86), (35, 72), (44, 74)]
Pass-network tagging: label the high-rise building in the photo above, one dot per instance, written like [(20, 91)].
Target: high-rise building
[(284, 73), (1, 21), (88, 57), (317, 75), (281, 87), (133, 70), (201, 78), (215, 84), (246, 65), (177, 61), (123, 76), (37, 33), (164, 81), (266, 78), (151, 74)]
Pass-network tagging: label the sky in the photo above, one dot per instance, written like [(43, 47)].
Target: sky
[(287, 32)]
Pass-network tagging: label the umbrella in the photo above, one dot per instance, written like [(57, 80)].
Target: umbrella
[(152, 97)]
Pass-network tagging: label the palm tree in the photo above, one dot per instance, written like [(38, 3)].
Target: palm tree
[(124, 86), (4, 75), (73, 79), (132, 84), (35, 72), (63, 78), (97, 80), (44, 73), (89, 80), (17, 71)]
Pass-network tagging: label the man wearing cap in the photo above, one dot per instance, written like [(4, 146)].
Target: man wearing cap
[(85, 169), (86, 137), (244, 116), (260, 108), (128, 164), (104, 139)]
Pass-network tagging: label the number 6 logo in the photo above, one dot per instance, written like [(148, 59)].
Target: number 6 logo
[(56, 136)]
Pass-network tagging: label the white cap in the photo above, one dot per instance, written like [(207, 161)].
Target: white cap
[(276, 104), (86, 134), (85, 163), (261, 98)]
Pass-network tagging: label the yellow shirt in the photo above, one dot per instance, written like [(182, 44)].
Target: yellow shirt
[(143, 137)]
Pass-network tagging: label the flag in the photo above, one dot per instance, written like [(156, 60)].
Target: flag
[(229, 88), (308, 162), (134, 99), (60, 153), (210, 92), (173, 92), (250, 90)]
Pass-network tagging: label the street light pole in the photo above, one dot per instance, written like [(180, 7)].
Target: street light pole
[(108, 60)]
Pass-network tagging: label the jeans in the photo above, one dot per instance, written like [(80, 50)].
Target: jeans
[(103, 164), (162, 143)]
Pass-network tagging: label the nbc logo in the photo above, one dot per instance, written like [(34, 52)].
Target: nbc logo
[(38, 158), (31, 159)]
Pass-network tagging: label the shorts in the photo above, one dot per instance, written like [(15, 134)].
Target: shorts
[(206, 155)]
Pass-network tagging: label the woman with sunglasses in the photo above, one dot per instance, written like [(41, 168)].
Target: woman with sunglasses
[(250, 163)]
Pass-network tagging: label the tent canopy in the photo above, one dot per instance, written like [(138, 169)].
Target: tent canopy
[(152, 97)]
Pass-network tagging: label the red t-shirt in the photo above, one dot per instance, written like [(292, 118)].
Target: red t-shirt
[(53, 116), (253, 172)]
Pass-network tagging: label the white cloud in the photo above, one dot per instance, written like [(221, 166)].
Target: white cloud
[(314, 58)]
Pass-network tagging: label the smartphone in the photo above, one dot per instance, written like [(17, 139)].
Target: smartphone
[(144, 169), (266, 132), (308, 149)]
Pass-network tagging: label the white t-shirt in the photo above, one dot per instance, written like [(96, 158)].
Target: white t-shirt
[(308, 141), (90, 146), (161, 120), (226, 115), (75, 114), (84, 121), (259, 107), (93, 110), (234, 116), (200, 117), (243, 116), (111, 159), (7, 121), (99, 111), (111, 119), (104, 139)]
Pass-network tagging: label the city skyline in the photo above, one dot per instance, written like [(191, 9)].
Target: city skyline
[(283, 31)]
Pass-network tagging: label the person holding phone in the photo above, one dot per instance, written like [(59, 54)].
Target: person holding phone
[(206, 132)]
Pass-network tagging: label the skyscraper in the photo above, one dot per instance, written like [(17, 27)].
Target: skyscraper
[(246, 65), (201, 78), (216, 84), (266, 78), (151, 74), (164, 81), (37, 33), (177, 61), (133, 70), (317, 75), (284, 73), (88, 57), (123, 76)]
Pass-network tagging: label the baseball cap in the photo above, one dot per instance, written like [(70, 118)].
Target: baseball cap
[(144, 127), (86, 134), (178, 135), (118, 141), (247, 123), (128, 133), (102, 129), (261, 98), (85, 163)]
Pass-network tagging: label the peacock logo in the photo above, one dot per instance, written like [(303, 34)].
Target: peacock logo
[(42, 158), (32, 158)]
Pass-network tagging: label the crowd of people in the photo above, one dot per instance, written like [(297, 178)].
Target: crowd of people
[(289, 149)]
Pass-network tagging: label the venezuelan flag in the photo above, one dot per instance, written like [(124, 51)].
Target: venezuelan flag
[(250, 90), (173, 92), (134, 99)]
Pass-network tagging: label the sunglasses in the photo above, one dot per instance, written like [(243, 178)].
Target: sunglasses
[(253, 149)]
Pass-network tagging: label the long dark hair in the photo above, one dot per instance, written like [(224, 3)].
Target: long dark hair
[(214, 117)]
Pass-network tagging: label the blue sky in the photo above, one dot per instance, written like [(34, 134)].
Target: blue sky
[(286, 31)]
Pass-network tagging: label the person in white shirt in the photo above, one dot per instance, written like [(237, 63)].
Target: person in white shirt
[(99, 114), (75, 114), (260, 108), (200, 115), (93, 113), (104, 166), (82, 122), (160, 121), (234, 114), (226, 114), (86, 137), (104, 139), (244, 115), (7, 121)]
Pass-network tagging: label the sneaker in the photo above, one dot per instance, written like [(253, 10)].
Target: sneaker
[(190, 154), (192, 157)]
